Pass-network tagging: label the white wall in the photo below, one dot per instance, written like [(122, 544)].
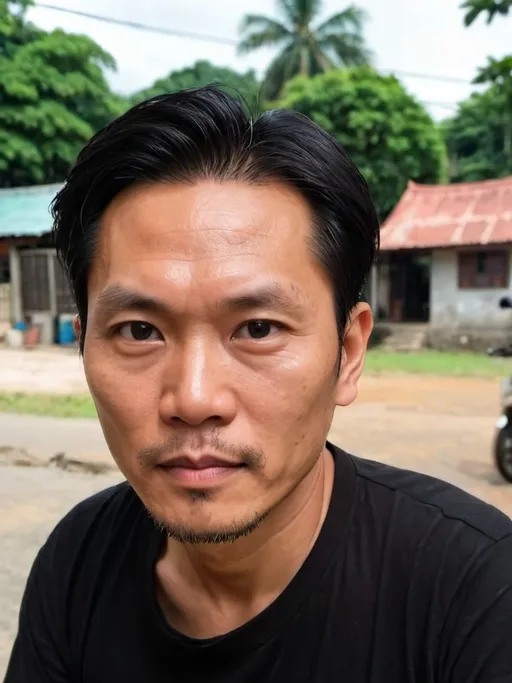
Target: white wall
[(451, 307)]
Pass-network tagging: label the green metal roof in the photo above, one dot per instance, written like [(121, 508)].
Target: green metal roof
[(25, 211)]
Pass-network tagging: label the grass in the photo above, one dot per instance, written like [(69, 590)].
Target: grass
[(439, 363), (47, 404), (378, 362)]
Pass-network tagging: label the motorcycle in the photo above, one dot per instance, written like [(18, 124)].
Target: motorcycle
[(503, 437)]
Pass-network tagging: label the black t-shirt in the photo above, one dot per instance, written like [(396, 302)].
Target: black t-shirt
[(410, 581)]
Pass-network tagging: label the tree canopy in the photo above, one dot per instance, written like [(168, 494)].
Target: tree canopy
[(244, 85), (387, 133), (475, 138), (499, 74), (479, 136), (53, 97), (491, 8), (306, 45)]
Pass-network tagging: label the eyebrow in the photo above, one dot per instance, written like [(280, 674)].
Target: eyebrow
[(272, 297), (117, 298)]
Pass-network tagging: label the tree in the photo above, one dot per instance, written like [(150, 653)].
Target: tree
[(53, 97), (14, 31), (306, 47), (245, 85), (492, 8), (499, 74), (475, 138), (388, 134)]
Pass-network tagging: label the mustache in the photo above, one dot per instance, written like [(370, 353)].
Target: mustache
[(177, 444)]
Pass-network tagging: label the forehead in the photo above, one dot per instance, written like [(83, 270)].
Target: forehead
[(205, 231)]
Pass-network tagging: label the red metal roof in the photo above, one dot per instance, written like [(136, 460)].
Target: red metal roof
[(430, 216)]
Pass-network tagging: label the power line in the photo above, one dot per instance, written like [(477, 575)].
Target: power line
[(431, 77), (220, 41), (142, 27)]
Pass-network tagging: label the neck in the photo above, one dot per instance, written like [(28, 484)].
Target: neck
[(206, 590)]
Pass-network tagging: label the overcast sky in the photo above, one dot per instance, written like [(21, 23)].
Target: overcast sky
[(420, 36)]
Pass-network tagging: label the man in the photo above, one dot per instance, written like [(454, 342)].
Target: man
[(217, 265)]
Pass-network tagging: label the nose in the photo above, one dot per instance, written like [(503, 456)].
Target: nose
[(197, 386)]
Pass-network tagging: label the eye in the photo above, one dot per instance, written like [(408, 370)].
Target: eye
[(139, 331), (256, 329)]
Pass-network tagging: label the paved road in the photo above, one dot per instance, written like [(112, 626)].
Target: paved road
[(44, 437)]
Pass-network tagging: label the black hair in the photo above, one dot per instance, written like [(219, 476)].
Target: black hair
[(204, 133)]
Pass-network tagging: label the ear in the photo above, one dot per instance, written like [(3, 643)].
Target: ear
[(354, 348), (77, 326)]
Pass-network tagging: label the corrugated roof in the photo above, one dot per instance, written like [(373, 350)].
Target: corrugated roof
[(430, 216), (24, 211)]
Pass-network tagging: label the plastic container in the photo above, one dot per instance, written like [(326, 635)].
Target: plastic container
[(14, 338), (66, 330)]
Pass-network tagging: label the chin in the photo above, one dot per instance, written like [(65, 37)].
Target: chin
[(221, 533)]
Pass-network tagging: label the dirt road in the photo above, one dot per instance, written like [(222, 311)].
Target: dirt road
[(441, 426)]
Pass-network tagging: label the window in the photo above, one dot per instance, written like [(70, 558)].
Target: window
[(35, 288), (484, 269)]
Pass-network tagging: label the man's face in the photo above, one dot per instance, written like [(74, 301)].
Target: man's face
[(211, 350)]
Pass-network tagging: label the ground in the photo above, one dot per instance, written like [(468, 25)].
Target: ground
[(439, 425)]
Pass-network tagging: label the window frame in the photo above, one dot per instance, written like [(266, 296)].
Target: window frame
[(487, 268)]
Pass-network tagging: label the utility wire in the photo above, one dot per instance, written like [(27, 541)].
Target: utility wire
[(141, 27), (445, 105), (231, 42)]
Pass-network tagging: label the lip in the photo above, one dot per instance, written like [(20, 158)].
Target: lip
[(206, 470), (200, 462)]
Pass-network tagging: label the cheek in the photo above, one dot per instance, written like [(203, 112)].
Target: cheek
[(126, 407), (294, 406)]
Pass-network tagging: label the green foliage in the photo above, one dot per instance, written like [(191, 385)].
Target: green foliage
[(305, 47), (388, 134), (497, 72), (244, 85), (473, 9), (480, 135), (14, 30), (53, 97), (475, 137)]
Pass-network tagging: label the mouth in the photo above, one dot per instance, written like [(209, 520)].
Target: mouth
[(206, 470)]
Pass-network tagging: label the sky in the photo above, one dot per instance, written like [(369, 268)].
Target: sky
[(406, 36)]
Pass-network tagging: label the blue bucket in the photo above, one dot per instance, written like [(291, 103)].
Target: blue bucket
[(66, 331)]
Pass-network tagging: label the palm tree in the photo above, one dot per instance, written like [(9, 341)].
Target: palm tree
[(305, 47), (474, 8)]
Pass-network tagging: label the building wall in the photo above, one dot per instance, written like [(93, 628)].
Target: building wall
[(464, 317), (5, 307)]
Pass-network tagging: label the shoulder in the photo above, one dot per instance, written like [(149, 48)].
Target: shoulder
[(445, 557), (93, 522), (428, 498), (106, 503)]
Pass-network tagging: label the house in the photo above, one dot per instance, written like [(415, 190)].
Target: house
[(446, 262), (33, 285)]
